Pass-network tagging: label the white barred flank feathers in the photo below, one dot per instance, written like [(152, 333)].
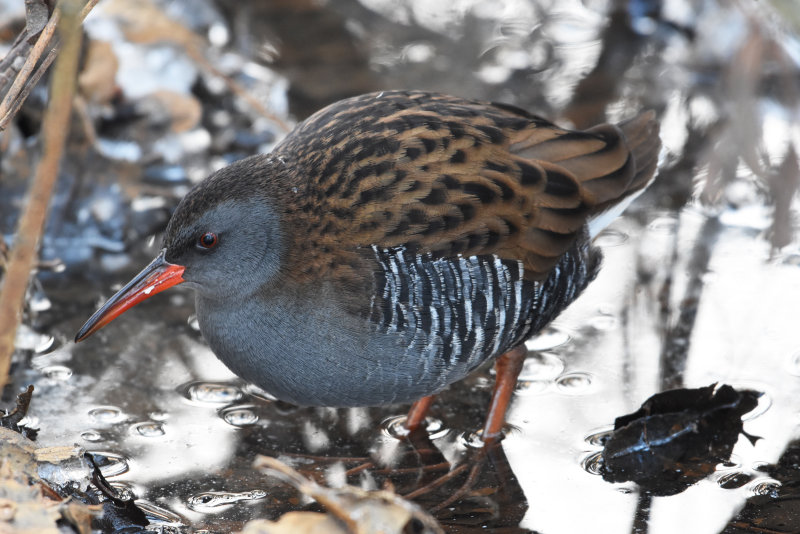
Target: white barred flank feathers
[(462, 310)]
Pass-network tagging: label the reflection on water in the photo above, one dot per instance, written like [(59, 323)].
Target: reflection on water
[(690, 294)]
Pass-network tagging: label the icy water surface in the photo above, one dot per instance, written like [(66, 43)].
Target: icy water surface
[(181, 432), (700, 281)]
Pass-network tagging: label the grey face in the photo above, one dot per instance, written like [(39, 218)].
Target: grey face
[(230, 250)]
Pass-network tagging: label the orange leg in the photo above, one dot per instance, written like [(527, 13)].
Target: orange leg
[(416, 415), (508, 367)]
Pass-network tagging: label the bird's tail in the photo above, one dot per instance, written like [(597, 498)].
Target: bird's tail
[(591, 177), (641, 135)]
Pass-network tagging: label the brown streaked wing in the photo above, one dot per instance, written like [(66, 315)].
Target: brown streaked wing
[(447, 176)]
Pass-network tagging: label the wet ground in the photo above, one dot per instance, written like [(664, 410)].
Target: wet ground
[(699, 285)]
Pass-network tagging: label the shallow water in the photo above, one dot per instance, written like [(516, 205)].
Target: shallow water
[(695, 288)]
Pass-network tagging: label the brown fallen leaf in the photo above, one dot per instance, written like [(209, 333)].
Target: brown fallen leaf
[(28, 504), (145, 22), (97, 81), (24, 507), (351, 510), (80, 515), (296, 523), (55, 455), (184, 111)]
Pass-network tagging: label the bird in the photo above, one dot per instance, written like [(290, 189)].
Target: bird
[(392, 243)]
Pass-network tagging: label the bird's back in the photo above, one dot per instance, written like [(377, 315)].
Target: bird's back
[(442, 175)]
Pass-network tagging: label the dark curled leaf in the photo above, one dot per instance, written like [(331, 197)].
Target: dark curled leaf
[(12, 419), (677, 437), (118, 513), (36, 16)]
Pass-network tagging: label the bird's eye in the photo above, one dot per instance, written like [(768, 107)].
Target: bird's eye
[(207, 240)]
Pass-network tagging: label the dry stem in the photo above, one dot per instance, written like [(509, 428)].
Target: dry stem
[(27, 69), (29, 75), (31, 224)]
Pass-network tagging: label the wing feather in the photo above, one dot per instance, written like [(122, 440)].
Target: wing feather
[(446, 176)]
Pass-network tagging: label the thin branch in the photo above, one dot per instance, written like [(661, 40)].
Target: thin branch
[(16, 104), (29, 75), (25, 73), (88, 8), (36, 18), (31, 224)]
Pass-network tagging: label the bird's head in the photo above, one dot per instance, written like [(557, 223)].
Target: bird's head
[(224, 240)]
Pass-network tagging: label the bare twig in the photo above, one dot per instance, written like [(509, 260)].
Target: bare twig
[(31, 224), (36, 18), (88, 8), (15, 104), (29, 75), (25, 72), (436, 483)]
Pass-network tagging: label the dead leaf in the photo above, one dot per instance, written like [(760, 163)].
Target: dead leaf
[(7, 509), (80, 515), (677, 437), (350, 509), (36, 17), (97, 82), (184, 111), (28, 504), (296, 523), (145, 22), (55, 455)]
